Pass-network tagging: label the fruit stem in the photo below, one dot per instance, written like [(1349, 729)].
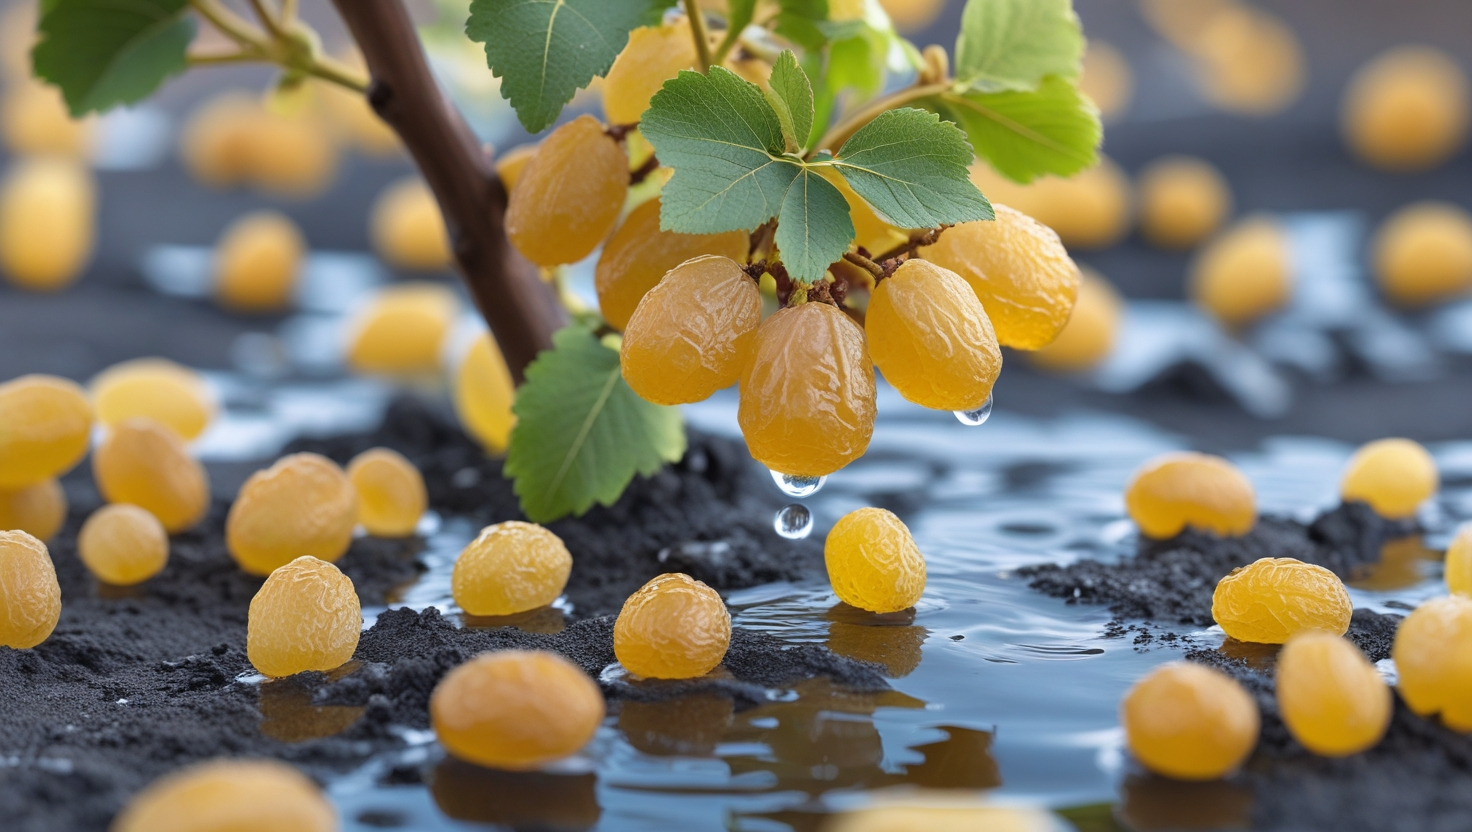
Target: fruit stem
[(866, 264), (761, 240), (268, 19), (697, 31), (275, 48), (924, 238), (844, 130), (642, 172)]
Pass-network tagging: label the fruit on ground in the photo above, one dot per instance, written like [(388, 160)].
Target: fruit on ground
[(484, 393), (674, 627), (145, 464), (407, 228), (1244, 274), (511, 567), (391, 493), (1406, 110), (1089, 210), (257, 262), (1189, 722), (1394, 476), (515, 709), (691, 333), (227, 796), (306, 616), (172, 395), (1183, 200), (1458, 562), (1107, 78), (653, 55), (45, 425), (930, 336), (123, 545), (402, 330), (1271, 599), (48, 224), (39, 510), (807, 393), (1433, 657), (569, 195), (873, 562), (30, 597), (1423, 253), (1332, 699), (1178, 490), (303, 505), (1089, 336)]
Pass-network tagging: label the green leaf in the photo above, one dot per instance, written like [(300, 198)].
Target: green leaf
[(791, 96), (581, 432), (102, 53), (725, 144), (1014, 44), (654, 14), (911, 167), (856, 59), (803, 22), (738, 16), (814, 228), (1024, 135), (545, 50)]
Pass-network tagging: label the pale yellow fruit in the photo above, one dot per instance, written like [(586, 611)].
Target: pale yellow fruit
[(172, 395), (391, 492), (217, 144), (39, 510), (511, 163), (48, 224), (34, 119), (234, 139), (230, 796), (1423, 253), (30, 596), (1407, 110), (123, 545), (407, 228), (257, 262), (353, 122), (484, 393), (1090, 334), (1107, 78), (293, 157), (403, 329), (1244, 274), (1249, 61), (1183, 200), (910, 15), (1090, 210), (939, 811), (653, 55), (1393, 476)]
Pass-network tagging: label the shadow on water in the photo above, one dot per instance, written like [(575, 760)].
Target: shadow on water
[(516, 799)]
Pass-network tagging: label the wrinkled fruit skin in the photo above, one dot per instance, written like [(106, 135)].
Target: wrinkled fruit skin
[(1189, 489), (38, 510), (1020, 272), (873, 562), (807, 394), (1407, 109), (1244, 274), (123, 545), (1394, 476), (172, 395), (1459, 563), (570, 194), (230, 796), (1423, 254), (144, 463), (932, 339), (1189, 722), (515, 709), (1089, 336), (30, 597), (45, 425), (407, 228), (653, 55), (1182, 201), (511, 567), (692, 332), (1271, 599), (257, 261), (484, 393), (391, 492), (304, 504), (674, 627), (1331, 697), (1433, 656), (402, 329), (306, 616)]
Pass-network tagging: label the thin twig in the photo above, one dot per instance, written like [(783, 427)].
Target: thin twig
[(338, 73), (697, 31), (268, 19), (845, 129), (642, 172), (924, 238), (874, 269), (231, 24), (288, 13), (220, 58)]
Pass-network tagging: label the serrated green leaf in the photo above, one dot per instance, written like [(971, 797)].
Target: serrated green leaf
[(1014, 44), (103, 53), (581, 432), (802, 22), (738, 16), (725, 145), (814, 228), (1024, 135), (911, 167), (544, 51), (791, 96)]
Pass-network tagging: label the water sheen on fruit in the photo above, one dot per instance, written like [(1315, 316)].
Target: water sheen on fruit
[(391, 493), (1178, 490), (570, 194), (674, 627), (306, 616), (1332, 699), (484, 393), (30, 597), (45, 425), (123, 545), (302, 505), (1395, 476), (144, 463), (873, 562), (172, 395), (38, 510), (653, 55), (1271, 599), (1189, 722), (230, 796), (511, 567), (1433, 657)]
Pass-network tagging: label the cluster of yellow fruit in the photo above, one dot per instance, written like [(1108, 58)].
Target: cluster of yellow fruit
[(1247, 60)]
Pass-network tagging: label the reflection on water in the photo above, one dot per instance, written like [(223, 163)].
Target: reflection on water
[(1403, 563), (1156, 804), (891, 640), (691, 726), (518, 799), (545, 620), (288, 715)]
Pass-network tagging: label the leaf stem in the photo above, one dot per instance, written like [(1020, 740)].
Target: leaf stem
[(338, 73), (220, 58), (697, 31), (845, 129), (268, 19), (257, 45), (231, 24)]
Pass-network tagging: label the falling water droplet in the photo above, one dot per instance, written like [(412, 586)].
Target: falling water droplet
[(972, 418), (798, 486), (794, 522)]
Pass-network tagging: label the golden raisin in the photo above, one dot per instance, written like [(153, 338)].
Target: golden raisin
[(940, 811), (1395, 476), (570, 194), (48, 223), (1244, 274), (227, 795), (484, 394), (1089, 336), (304, 504), (931, 338), (257, 262), (1458, 562), (1332, 699), (692, 332), (174, 396), (1188, 489), (674, 627), (217, 142), (873, 562), (1189, 722), (1423, 253), (1183, 200), (1088, 210), (45, 425), (1269, 600), (1106, 78), (1020, 271), (403, 329), (511, 163), (144, 463), (511, 567), (1406, 110), (1249, 61), (30, 597), (1433, 657), (653, 55), (515, 709), (807, 393), (38, 510), (408, 229), (306, 616), (123, 545), (291, 156), (391, 493), (34, 120)]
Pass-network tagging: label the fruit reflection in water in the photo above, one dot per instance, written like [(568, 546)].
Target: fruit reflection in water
[(516, 799), (1158, 804), (288, 715), (691, 726), (892, 640)]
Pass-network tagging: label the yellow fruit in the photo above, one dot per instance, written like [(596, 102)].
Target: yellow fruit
[(172, 395), (353, 121), (1423, 253), (48, 223), (306, 616), (1107, 78), (1181, 21), (1407, 110), (511, 567), (930, 336), (45, 425), (639, 255), (1183, 200), (302, 505), (1271, 599), (30, 597), (570, 194), (1332, 699), (229, 796), (408, 229), (123, 545), (144, 463), (912, 15), (39, 510), (1187, 489), (391, 493), (1089, 210), (233, 139), (257, 262), (674, 627), (1433, 657), (1189, 722), (1244, 274), (871, 231), (1249, 61), (292, 157), (34, 120), (939, 811), (873, 562), (1088, 337), (654, 54), (402, 330), (1458, 562), (807, 394), (484, 394), (510, 164), (515, 709), (217, 143), (1395, 476)]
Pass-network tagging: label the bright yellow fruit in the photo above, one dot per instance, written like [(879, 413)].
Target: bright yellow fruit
[(30, 597), (484, 394), (569, 195), (1088, 210), (45, 425), (873, 562), (48, 223), (123, 545), (674, 627), (1395, 476), (939, 811), (1244, 274), (1249, 61), (217, 143), (391, 493), (257, 262), (229, 796), (1179, 490), (1088, 337), (1107, 78), (402, 330), (1183, 200), (407, 228), (144, 463), (233, 139), (306, 616), (1271, 599), (1189, 722), (39, 510), (1433, 657), (1332, 699), (511, 567), (1423, 253), (302, 505), (511, 163), (34, 120), (912, 15), (1407, 110), (654, 55), (1458, 562), (172, 395)]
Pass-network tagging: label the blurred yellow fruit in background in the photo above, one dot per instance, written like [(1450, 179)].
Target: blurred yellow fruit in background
[(170, 394), (234, 139), (407, 228), (1423, 253), (229, 794), (1183, 200), (257, 262), (1250, 62), (1406, 110), (403, 329), (1089, 336), (39, 510), (1244, 274), (484, 393), (34, 119), (1107, 78), (1090, 210), (910, 15), (48, 223)]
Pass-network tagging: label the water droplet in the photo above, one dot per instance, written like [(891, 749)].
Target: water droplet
[(798, 486), (972, 418), (794, 522)]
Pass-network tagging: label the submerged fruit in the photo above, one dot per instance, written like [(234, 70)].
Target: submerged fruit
[(873, 562), (30, 597), (484, 393), (1407, 109), (257, 262), (306, 616), (1183, 200), (1458, 562), (1423, 253), (229, 795), (143, 463), (1244, 274), (45, 425), (1433, 657), (302, 505), (1189, 722), (1331, 697), (123, 545), (39, 510), (570, 194), (653, 55), (1089, 336), (48, 223), (511, 567), (674, 627), (1179, 490), (391, 493), (1395, 476), (515, 709), (1269, 600), (402, 330), (172, 395), (408, 229)]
